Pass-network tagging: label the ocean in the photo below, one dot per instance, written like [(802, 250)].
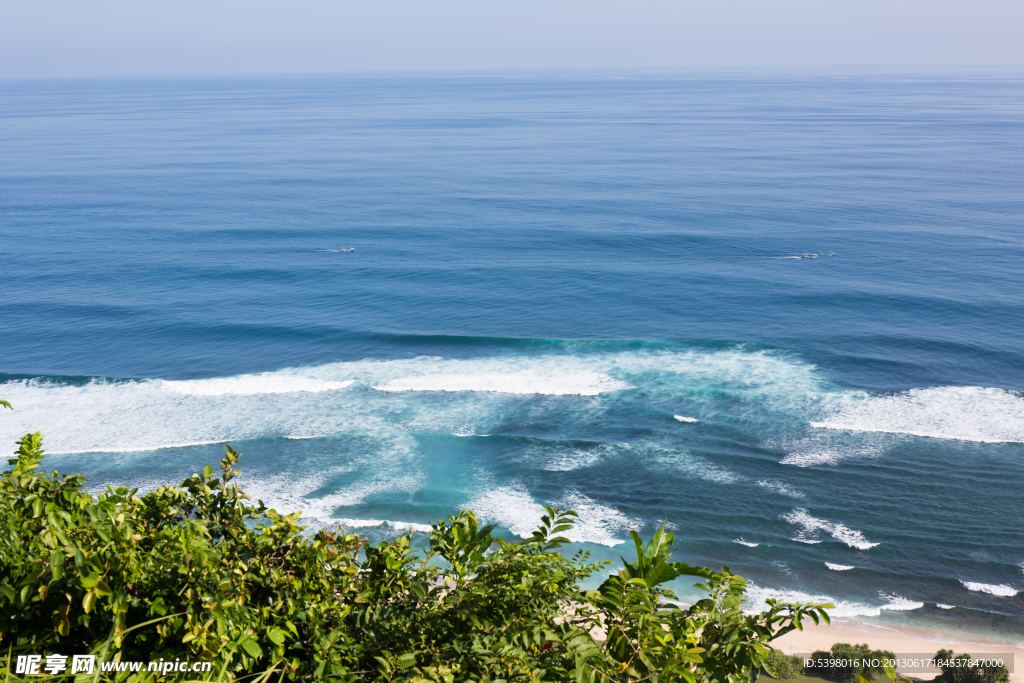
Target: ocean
[(783, 314)]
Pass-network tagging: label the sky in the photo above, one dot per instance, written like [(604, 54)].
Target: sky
[(73, 38)]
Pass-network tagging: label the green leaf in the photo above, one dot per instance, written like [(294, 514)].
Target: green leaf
[(89, 601), (252, 648), (57, 565)]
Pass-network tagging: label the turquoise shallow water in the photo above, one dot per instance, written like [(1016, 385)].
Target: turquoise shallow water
[(782, 313)]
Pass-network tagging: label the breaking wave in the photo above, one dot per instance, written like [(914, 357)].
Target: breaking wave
[(966, 413), (897, 603), (1001, 590)]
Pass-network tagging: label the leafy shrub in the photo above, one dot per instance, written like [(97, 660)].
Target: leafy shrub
[(847, 663), (960, 669), (782, 666), (197, 572)]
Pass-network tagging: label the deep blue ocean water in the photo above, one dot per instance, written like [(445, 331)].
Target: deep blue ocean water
[(785, 314)]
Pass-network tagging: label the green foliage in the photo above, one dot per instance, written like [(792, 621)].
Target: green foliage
[(851, 663), (960, 669), (781, 666), (198, 572)]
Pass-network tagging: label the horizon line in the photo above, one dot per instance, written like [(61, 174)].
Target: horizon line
[(837, 69)]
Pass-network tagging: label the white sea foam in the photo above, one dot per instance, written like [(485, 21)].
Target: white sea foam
[(828, 448), (811, 526), (941, 606), (145, 415), (574, 459), (515, 509), (250, 385), (1001, 590), (839, 567), (781, 488), (683, 418), (681, 461), (580, 383), (966, 413), (746, 543)]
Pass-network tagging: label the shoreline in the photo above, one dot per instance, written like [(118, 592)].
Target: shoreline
[(901, 640)]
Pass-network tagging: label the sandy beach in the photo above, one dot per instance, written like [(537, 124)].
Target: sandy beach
[(904, 641)]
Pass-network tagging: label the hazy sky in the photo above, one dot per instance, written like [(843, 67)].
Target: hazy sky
[(138, 37)]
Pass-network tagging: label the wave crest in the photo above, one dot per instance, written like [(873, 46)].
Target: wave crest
[(839, 567)]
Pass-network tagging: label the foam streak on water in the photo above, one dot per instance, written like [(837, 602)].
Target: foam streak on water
[(811, 526)]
